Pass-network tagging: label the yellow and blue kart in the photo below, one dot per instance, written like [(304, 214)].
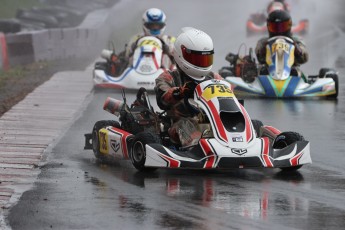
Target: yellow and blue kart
[(280, 79)]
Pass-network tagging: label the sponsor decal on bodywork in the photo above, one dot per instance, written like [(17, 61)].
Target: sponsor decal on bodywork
[(115, 145), (237, 139), (239, 151)]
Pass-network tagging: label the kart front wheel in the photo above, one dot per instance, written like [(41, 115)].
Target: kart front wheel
[(138, 150), (95, 137), (285, 139), (257, 124)]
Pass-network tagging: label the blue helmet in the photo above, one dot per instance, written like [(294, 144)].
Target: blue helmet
[(154, 22)]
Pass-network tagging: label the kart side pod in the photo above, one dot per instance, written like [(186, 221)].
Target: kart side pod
[(113, 106)]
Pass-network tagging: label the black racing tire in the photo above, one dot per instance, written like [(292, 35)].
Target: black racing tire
[(336, 81), (138, 150), (225, 72), (283, 140), (257, 124), (323, 71), (95, 137), (28, 15), (9, 26)]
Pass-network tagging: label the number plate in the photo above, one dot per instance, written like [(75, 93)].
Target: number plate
[(213, 91), (280, 46)]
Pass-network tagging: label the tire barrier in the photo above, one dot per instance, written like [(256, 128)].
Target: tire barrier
[(86, 40), (47, 42), (10, 26)]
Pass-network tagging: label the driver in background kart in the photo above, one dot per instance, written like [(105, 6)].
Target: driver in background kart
[(193, 53), (154, 24), (279, 23), (275, 4), (260, 18)]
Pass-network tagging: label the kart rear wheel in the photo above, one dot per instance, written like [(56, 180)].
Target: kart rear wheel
[(336, 81), (257, 124), (225, 72), (95, 137), (283, 140), (138, 150), (323, 71)]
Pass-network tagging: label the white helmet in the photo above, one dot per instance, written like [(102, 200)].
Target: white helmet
[(193, 53), (154, 22)]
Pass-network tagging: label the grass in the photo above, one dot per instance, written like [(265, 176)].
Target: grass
[(10, 74), (16, 73), (8, 8)]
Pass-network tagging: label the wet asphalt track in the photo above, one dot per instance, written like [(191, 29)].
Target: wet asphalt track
[(75, 192)]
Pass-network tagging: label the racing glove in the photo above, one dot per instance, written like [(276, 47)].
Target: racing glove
[(187, 90), (177, 93)]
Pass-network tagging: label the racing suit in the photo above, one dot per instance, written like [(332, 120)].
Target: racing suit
[(301, 54), (172, 87), (168, 43)]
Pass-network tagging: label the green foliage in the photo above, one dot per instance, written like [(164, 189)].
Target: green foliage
[(10, 74), (17, 73), (8, 8)]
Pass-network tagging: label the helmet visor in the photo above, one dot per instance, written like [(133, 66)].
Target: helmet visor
[(154, 25), (198, 58), (279, 27)]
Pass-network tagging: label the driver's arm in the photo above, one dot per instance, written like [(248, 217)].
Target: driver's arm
[(260, 50), (168, 44), (166, 92), (301, 53), (130, 47)]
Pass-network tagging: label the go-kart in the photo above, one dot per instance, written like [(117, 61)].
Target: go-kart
[(278, 78), (230, 138), (147, 63)]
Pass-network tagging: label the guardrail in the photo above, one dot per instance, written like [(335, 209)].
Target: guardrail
[(54, 44)]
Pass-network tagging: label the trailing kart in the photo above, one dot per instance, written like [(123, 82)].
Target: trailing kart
[(278, 78), (230, 139), (148, 62)]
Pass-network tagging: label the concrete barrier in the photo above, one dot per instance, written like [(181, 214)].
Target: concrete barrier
[(20, 49)]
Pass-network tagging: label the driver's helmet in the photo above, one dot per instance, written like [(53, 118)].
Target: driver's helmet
[(154, 22), (193, 53), (275, 6), (279, 23)]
